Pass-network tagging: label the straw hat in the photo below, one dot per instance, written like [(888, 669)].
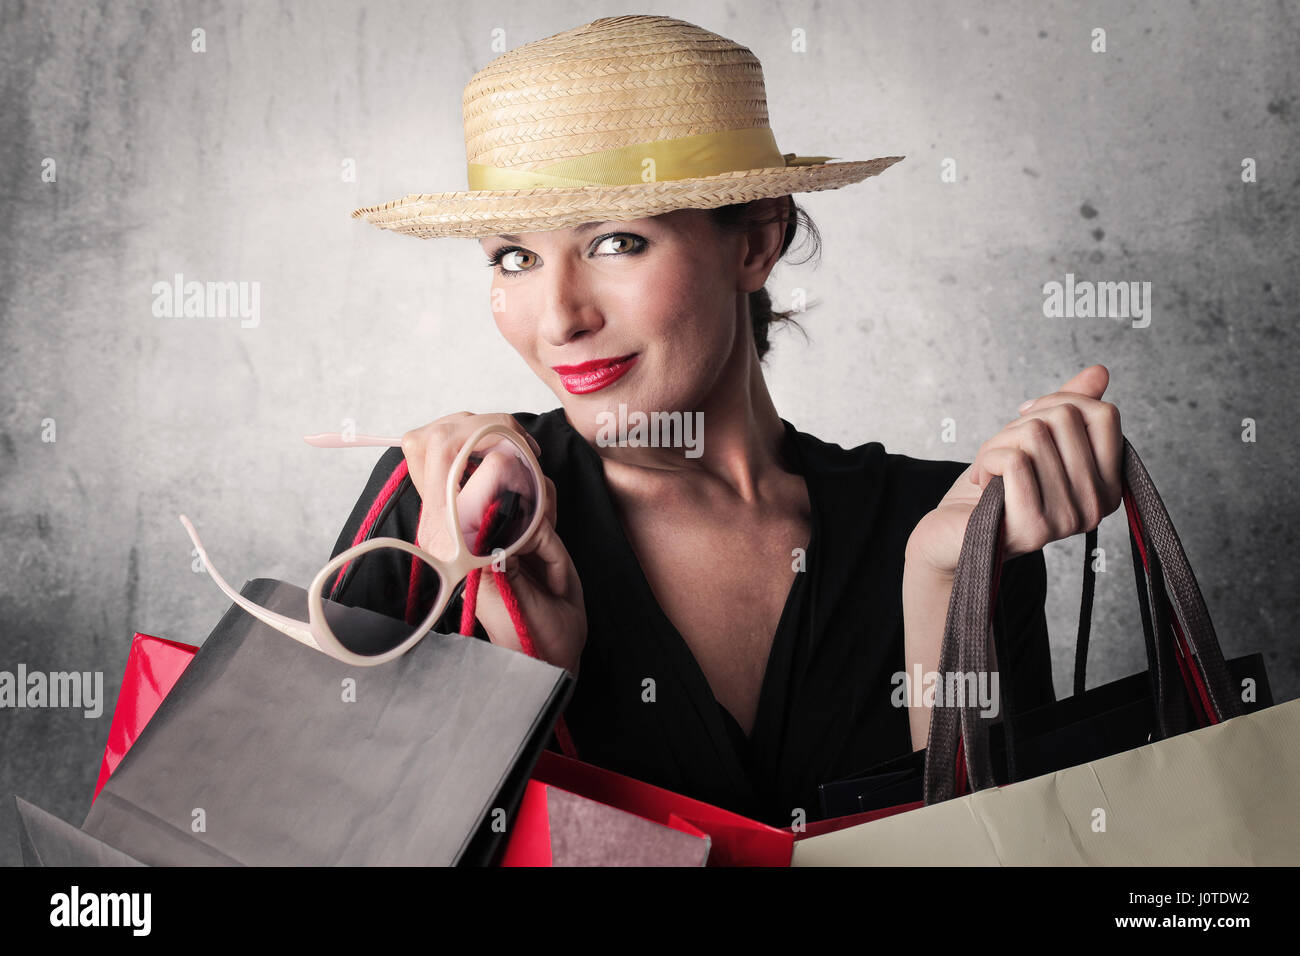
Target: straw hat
[(619, 119)]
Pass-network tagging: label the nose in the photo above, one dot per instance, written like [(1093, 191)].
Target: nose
[(567, 309)]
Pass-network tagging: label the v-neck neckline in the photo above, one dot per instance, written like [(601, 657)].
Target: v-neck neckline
[(715, 715)]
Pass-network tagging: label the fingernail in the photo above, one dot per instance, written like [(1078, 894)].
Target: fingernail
[(1024, 406)]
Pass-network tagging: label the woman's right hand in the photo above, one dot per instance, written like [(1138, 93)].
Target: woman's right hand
[(542, 575)]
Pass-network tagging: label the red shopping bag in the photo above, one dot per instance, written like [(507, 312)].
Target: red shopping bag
[(734, 840), (153, 666)]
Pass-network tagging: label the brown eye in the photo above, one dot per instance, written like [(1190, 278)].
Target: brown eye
[(510, 256), (620, 243)]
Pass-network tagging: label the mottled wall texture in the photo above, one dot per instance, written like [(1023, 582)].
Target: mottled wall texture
[(127, 158)]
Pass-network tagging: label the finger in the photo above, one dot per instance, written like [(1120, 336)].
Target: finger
[(513, 424), (444, 445), (1086, 403), (543, 561), (1090, 404), (497, 482), (432, 535), (452, 430), (499, 469), (1070, 435), (413, 443), (1021, 492), (556, 563), (1057, 516), (550, 495), (429, 452), (1105, 435), (1091, 381), (430, 449)]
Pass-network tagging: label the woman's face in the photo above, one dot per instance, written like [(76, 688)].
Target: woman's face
[(642, 313)]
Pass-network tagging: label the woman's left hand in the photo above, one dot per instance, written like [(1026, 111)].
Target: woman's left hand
[(1060, 463)]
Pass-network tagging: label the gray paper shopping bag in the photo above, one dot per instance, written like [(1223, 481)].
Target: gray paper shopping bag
[(45, 840), (268, 752)]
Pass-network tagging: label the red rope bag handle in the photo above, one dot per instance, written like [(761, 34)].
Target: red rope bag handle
[(470, 602)]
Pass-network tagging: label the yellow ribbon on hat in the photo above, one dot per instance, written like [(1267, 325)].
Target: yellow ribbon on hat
[(687, 157)]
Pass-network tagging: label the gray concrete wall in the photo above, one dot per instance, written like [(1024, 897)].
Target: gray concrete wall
[(226, 165)]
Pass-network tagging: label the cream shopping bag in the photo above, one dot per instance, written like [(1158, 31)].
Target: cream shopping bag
[(1225, 795)]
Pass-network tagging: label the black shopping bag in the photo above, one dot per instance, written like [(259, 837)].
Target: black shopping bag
[(1187, 677), (1103, 721), (269, 752)]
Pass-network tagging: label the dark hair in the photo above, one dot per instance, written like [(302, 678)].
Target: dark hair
[(739, 217)]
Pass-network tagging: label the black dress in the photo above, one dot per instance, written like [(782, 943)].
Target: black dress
[(825, 709)]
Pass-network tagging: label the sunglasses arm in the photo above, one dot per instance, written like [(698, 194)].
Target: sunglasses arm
[(298, 630)]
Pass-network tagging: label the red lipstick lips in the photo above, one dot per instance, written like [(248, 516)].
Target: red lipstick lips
[(594, 375)]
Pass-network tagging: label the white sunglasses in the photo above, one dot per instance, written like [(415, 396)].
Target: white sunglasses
[(494, 505)]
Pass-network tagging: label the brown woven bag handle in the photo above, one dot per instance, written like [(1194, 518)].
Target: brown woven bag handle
[(967, 633)]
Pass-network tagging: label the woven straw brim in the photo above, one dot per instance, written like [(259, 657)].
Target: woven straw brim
[(482, 213)]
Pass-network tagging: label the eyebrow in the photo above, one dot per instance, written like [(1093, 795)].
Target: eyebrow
[(585, 227)]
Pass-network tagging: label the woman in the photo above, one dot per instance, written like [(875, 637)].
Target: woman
[(738, 619)]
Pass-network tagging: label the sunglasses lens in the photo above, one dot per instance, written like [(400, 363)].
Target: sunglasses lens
[(498, 497), (383, 581)]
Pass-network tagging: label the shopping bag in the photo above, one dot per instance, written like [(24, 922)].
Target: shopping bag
[(267, 752), (550, 829), (735, 840), (1223, 795), (557, 828), (1102, 721), (45, 840), (153, 666), (1184, 664)]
